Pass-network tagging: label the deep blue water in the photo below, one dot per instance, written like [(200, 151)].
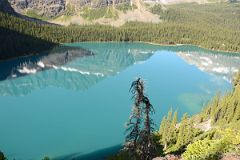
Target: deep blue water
[(74, 100)]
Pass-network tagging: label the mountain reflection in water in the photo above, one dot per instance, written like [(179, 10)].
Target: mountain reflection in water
[(79, 66), (223, 65), (32, 64), (66, 66)]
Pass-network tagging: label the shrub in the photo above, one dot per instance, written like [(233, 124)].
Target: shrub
[(203, 150), (224, 141)]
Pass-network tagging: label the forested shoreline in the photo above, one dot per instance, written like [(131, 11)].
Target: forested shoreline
[(212, 134), (175, 29)]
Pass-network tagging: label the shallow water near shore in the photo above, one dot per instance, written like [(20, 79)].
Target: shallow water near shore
[(73, 101)]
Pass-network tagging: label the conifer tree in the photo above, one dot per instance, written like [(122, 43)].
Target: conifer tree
[(186, 132), (168, 129), (139, 141), (163, 131), (182, 134), (173, 128), (135, 119), (162, 125), (146, 142)]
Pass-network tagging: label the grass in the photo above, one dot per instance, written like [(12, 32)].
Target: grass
[(93, 14), (125, 7), (33, 14), (156, 9), (111, 13)]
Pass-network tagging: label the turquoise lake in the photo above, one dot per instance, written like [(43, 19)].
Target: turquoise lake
[(73, 101)]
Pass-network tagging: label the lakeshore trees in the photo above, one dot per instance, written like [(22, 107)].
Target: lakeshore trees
[(222, 136), (189, 138), (182, 24)]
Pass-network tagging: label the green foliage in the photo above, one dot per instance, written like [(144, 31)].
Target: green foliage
[(111, 13), (225, 110), (91, 14), (209, 149), (96, 13), (203, 150), (224, 137), (173, 138), (125, 7), (33, 14), (236, 81), (168, 129), (228, 135), (157, 9), (219, 15), (186, 133), (182, 24), (235, 125), (206, 135), (15, 44)]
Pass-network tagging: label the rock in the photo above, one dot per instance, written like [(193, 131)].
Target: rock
[(53, 8), (230, 157), (47, 8), (22, 4), (169, 157)]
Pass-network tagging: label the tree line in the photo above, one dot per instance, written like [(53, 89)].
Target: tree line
[(185, 138), (177, 28)]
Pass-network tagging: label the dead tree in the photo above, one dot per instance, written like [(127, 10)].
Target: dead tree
[(139, 143)]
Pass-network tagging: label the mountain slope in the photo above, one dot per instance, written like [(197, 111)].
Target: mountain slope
[(111, 15), (110, 12)]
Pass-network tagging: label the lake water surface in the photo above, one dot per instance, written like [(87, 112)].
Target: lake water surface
[(74, 100)]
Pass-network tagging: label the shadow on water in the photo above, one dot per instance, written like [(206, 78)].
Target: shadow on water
[(102, 154), (14, 44)]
